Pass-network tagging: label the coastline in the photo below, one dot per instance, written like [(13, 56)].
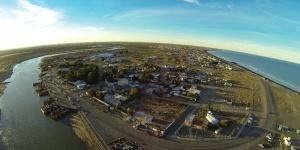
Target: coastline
[(285, 102), (256, 73), (87, 129)]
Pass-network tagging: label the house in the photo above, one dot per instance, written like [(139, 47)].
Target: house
[(109, 98), (80, 84), (193, 91), (120, 98), (105, 55), (287, 141), (283, 128), (123, 82), (182, 76), (177, 90), (156, 76), (142, 117), (102, 56), (113, 60), (211, 118), (132, 77), (189, 120)]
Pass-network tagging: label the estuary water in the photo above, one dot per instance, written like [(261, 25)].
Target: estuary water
[(282, 72), (22, 124)]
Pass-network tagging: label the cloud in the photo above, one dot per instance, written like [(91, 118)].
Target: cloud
[(35, 15), (196, 2), (28, 24)]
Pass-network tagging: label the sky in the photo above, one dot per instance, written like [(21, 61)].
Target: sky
[(264, 27)]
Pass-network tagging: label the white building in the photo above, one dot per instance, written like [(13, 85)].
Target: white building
[(80, 84), (287, 141), (211, 118)]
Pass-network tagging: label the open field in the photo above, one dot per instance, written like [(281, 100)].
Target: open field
[(288, 106), (162, 110)]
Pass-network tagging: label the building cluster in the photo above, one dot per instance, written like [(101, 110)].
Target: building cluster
[(151, 95)]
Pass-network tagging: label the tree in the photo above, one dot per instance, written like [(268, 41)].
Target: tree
[(92, 77)]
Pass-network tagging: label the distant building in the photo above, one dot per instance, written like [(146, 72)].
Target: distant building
[(102, 56)]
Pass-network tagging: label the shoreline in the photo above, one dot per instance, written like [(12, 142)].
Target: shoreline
[(247, 69), (7, 74)]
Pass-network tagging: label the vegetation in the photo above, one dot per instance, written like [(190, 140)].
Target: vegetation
[(79, 71)]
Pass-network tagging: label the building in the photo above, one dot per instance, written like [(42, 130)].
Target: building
[(132, 77), (189, 120), (102, 56), (211, 118), (123, 82), (120, 98), (80, 85), (142, 117), (110, 99), (193, 91)]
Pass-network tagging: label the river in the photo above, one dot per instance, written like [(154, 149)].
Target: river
[(22, 124)]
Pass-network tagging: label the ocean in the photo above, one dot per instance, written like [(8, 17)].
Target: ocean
[(282, 72)]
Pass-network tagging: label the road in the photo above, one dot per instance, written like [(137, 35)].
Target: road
[(111, 128), (177, 124), (268, 120)]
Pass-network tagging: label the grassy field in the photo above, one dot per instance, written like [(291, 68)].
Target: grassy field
[(288, 106)]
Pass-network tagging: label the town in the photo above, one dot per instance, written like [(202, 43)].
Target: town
[(158, 90)]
